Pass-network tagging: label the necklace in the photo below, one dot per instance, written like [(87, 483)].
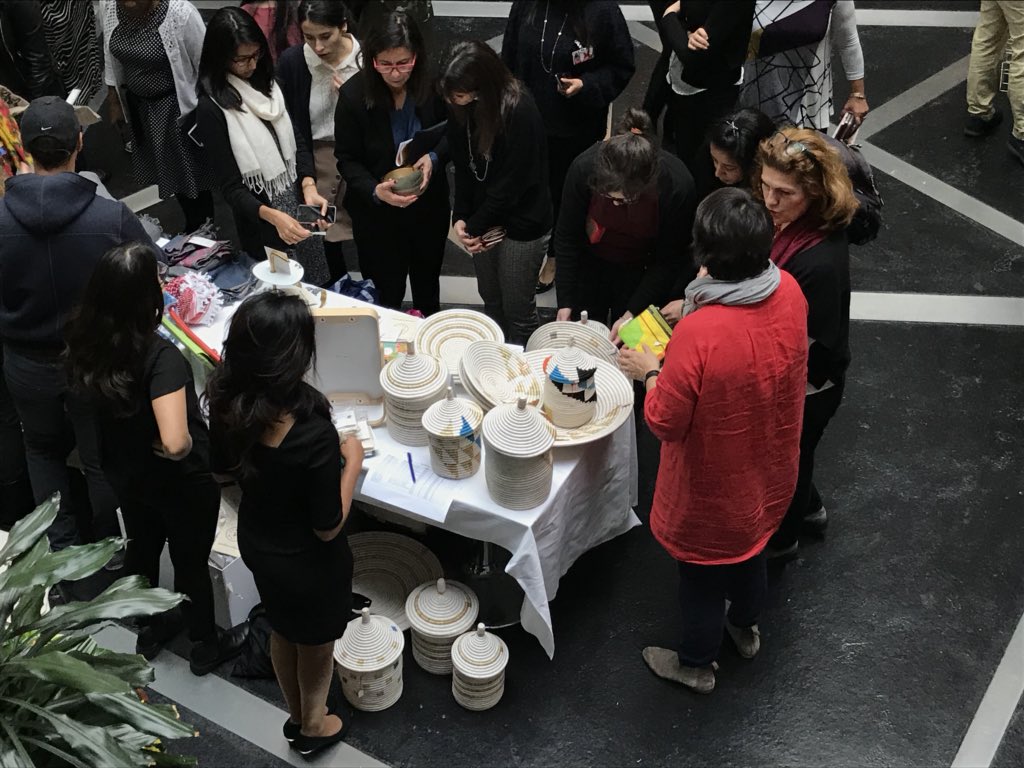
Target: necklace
[(543, 33), (472, 160)]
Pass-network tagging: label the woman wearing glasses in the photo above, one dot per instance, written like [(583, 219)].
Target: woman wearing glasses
[(502, 201), (250, 144), (808, 193), (310, 76), (152, 50), (624, 227), (399, 234)]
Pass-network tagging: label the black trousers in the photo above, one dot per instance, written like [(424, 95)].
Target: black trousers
[(399, 243), (703, 590), (818, 411), (185, 517), (15, 489), (562, 150), (196, 209), (690, 116)]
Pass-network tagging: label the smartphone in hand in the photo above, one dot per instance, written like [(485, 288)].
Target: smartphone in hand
[(309, 216)]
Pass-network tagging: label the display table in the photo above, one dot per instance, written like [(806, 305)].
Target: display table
[(594, 490)]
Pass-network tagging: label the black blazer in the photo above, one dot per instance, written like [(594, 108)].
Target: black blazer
[(296, 84), (365, 148)]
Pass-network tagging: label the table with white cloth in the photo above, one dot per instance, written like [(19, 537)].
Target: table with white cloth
[(593, 492)]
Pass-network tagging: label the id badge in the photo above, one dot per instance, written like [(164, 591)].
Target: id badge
[(582, 55)]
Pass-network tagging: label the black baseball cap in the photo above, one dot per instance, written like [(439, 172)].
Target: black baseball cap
[(50, 123)]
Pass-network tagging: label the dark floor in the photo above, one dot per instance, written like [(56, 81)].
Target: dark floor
[(879, 642)]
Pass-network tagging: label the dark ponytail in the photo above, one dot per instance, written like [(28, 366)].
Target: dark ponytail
[(628, 162)]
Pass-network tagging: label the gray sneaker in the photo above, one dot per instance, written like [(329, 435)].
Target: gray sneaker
[(747, 639), (665, 664)]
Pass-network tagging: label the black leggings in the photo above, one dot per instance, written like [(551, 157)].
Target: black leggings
[(185, 517)]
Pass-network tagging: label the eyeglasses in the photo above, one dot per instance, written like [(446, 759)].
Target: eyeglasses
[(617, 201), (243, 60), (793, 148), (402, 67)]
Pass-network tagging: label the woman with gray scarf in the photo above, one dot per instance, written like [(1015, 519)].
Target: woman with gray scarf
[(726, 404)]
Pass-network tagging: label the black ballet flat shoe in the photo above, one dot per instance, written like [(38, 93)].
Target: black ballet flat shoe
[(291, 730), (310, 745)]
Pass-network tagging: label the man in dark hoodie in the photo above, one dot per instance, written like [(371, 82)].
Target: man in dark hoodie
[(53, 230)]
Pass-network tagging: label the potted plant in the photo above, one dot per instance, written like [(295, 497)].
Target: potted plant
[(63, 699)]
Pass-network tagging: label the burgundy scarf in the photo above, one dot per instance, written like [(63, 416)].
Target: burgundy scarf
[(798, 236)]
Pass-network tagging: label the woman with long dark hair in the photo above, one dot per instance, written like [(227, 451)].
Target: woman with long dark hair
[(399, 235), (576, 58), (502, 207), (274, 432), (310, 76), (731, 150), (279, 21), (624, 229), (154, 445), (250, 144)]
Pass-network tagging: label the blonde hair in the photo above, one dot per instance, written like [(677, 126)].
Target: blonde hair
[(816, 167)]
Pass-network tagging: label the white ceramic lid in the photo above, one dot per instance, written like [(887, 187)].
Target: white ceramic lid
[(453, 417), (369, 643), (479, 654), (570, 364), (518, 430), (411, 376), (442, 608)]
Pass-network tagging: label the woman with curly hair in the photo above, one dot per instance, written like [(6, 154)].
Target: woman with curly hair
[(808, 193)]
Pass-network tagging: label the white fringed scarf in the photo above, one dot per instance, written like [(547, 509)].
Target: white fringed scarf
[(264, 168)]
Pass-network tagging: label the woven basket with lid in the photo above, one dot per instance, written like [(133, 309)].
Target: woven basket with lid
[(478, 669), (570, 386), (411, 383), (438, 613), (369, 660), (453, 430), (518, 464)]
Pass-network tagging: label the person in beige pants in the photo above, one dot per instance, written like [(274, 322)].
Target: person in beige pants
[(1000, 25)]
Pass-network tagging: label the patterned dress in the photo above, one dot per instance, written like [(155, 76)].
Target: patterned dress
[(70, 29), (163, 154)]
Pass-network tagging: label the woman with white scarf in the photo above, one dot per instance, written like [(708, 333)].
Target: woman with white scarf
[(250, 143)]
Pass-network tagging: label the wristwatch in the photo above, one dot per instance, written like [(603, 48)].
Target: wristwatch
[(651, 374)]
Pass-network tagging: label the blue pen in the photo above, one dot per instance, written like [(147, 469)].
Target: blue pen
[(412, 472)]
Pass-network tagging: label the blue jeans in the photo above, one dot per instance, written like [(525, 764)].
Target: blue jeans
[(38, 387)]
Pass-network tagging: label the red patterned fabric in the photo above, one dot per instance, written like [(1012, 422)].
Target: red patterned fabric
[(795, 238), (728, 408)]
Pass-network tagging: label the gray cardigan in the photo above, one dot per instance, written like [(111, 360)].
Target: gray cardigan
[(182, 32)]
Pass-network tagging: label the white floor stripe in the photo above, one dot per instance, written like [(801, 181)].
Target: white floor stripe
[(940, 191), (914, 98), (996, 709), (644, 34), (894, 18), (937, 308), (230, 707)]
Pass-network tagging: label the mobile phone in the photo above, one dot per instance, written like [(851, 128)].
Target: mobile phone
[(847, 129), (309, 215)]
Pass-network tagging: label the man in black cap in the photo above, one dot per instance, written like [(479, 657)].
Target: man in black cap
[(53, 230)]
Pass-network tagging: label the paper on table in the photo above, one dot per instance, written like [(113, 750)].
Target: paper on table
[(387, 480)]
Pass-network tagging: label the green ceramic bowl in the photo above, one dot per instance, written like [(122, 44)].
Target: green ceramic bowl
[(407, 180)]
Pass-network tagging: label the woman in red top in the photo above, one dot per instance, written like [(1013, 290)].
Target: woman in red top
[(726, 405)]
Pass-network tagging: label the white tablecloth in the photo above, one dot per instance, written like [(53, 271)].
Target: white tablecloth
[(593, 493)]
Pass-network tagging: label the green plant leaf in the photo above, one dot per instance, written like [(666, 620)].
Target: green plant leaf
[(19, 748), (8, 597), (131, 668), (27, 531), (69, 564), (172, 761), (29, 606), (67, 757), (129, 737), (117, 604), (125, 583), (9, 759), (94, 745), (65, 670), (158, 719)]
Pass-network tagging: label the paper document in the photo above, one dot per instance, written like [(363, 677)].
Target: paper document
[(389, 481)]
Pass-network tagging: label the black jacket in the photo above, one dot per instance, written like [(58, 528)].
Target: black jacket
[(514, 191), (25, 63), (296, 83), (728, 25), (365, 148), (823, 273), (604, 77), (53, 231), (669, 262)]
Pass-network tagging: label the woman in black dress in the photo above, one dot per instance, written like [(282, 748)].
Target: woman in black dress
[(274, 432), (152, 52), (250, 143), (154, 445), (576, 58), (398, 235)]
